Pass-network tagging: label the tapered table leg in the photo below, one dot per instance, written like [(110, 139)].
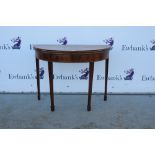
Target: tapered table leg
[(91, 72), (50, 70), (106, 78), (38, 78)]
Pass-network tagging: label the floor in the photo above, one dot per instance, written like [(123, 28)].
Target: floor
[(24, 111)]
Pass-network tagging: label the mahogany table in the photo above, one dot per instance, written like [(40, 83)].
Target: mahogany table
[(72, 54)]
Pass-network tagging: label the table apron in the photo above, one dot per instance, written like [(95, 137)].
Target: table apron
[(76, 57)]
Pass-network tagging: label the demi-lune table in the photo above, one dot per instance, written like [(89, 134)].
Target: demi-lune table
[(72, 54)]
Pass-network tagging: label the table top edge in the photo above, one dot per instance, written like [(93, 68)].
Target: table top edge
[(71, 47)]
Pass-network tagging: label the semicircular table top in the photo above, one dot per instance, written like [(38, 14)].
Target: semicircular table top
[(71, 48)]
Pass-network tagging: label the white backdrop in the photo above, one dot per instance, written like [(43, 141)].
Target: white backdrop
[(131, 65)]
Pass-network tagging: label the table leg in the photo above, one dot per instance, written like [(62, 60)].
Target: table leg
[(106, 78), (38, 78), (50, 70), (91, 72)]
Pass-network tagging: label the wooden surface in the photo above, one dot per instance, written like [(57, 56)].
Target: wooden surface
[(71, 48), (71, 54)]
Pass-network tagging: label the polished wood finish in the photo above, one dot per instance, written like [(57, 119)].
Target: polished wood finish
[(106, 78), (50, 71), (38, 78), (72, 54), (91, 72)]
